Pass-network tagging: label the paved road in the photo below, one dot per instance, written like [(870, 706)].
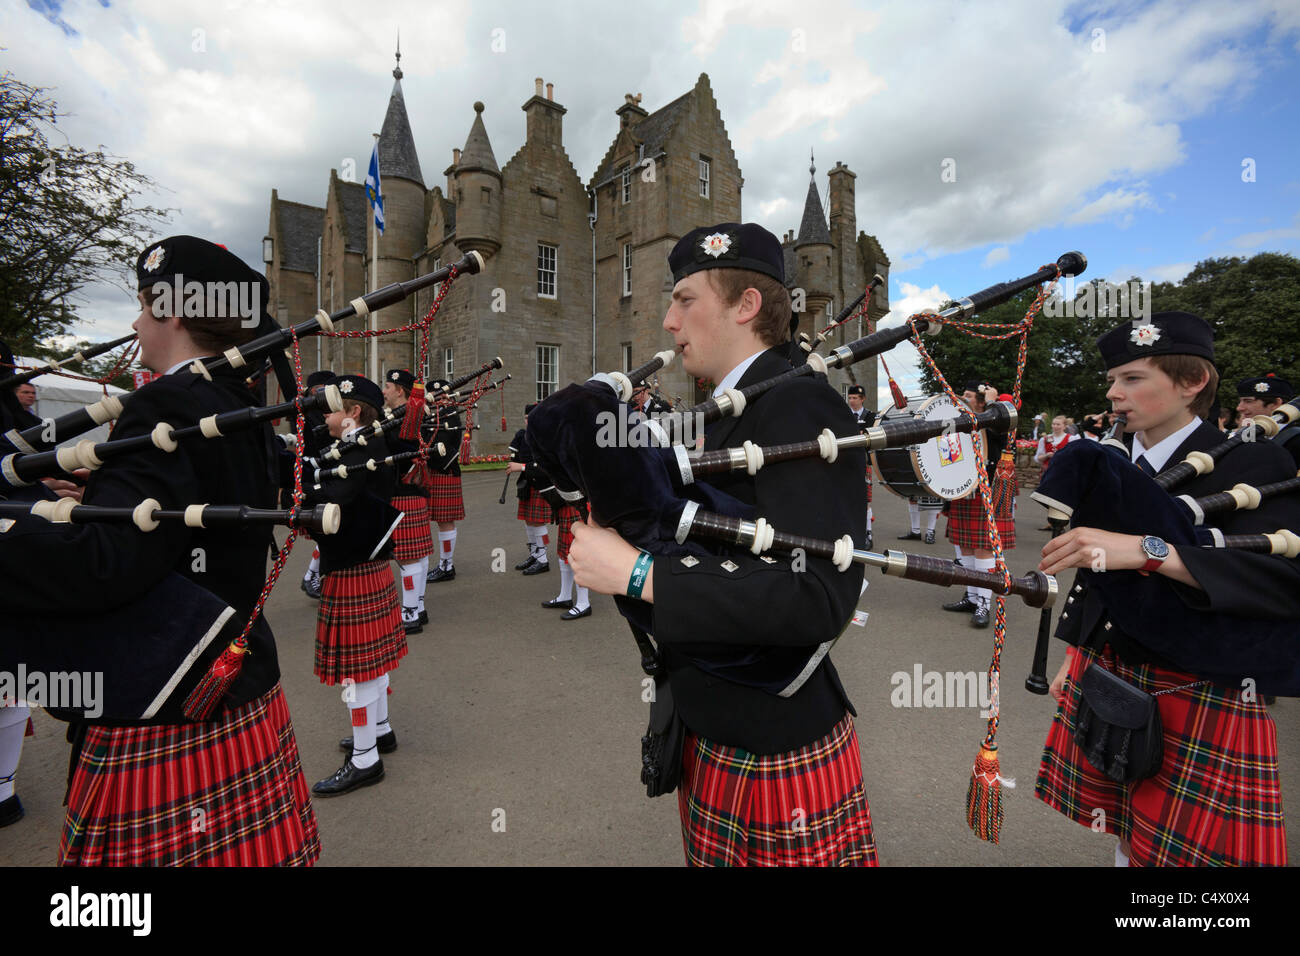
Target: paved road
[(507, 716)]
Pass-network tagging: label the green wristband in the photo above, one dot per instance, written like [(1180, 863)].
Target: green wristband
[(640, 571)]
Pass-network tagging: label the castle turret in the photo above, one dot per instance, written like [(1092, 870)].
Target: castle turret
[(812, 248), (477, 181)]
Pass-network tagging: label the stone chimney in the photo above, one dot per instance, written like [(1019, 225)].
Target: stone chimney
[(545, 117)]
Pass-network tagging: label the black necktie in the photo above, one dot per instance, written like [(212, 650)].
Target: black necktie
[(1145, 465)]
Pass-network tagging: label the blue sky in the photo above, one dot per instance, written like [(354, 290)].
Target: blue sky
[(1129, 149)]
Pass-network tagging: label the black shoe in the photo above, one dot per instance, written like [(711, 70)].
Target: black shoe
[(572, 614), (525, 563), (11, 811), (348, 778), (910, 536), (965, 604), (424, 616), (870, 541), (411, 623), (929, 537), (980, 618), (538, 567), (441, 574), (556, 602), (311, 586), (387, 743)]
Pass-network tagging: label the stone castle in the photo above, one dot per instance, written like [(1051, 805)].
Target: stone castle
[(577, 275)]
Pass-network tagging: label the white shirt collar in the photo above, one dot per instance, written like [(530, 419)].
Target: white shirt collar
[(731, 378), (1164, 449), (186, 364)]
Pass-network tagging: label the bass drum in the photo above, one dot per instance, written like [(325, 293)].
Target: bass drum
[(943, 467)]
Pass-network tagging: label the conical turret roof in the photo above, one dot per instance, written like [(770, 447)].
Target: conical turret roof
[(397, 156), (477, 153)]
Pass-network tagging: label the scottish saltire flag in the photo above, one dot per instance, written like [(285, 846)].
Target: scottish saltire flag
[(374, 191)]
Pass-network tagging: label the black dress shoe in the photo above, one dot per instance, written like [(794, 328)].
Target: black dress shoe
[(411, 625), (572, 614), (910, 536), (556, 602), (929, 537), (870, 541), (441, 574), (11, 811), (424, 616), (387, 743), (525, 563), (348, 778), (311, 586), (980, 618), (538, 567), (965, 604)]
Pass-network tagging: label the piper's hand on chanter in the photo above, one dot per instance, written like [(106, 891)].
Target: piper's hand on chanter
[(1057, 690), (1103, 551), (68, 489), (514, 467), (603, 561)]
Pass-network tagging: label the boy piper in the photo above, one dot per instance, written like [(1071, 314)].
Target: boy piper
[(359, 632), (752, 757), (133, 789), (1215, 799), (412, 542), (446, 500)]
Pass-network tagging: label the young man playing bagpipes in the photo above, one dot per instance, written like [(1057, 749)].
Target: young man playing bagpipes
[(446, 497), (534, 510), (412, 542), (360, 636), (227, 790), (315, 438), (1205, 792), (751, 756)]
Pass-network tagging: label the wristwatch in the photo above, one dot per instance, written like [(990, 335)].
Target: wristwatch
[(1156, 551)]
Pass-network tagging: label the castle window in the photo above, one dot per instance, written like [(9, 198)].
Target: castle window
[(546, 256), (627, 356), (485, 195), (704, 177), (448, 364), (626, 173), (548, 370), (627, 268)]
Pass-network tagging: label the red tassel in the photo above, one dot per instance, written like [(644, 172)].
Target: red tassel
[(420, 474), (414, 413), (899, 400), (503, 423), (984, 796), (205, 698)]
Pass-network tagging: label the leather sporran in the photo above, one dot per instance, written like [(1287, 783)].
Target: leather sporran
[(661, 747), (1118, 727)]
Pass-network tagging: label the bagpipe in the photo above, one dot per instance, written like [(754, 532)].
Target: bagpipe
[(56, 365), (148, 514), (50, 434), (1096, 485), (17, 470)]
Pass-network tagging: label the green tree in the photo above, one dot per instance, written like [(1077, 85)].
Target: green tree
[(69, 218)]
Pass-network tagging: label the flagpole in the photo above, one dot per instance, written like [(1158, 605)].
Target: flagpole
[(373, 343)]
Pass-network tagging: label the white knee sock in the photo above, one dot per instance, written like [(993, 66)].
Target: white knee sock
[(914, 512), (543, 539), (381, 707), (13, 726), (363, 709), (1121, 858), (983, 595), (582, 601), (566, 581), (409, 573), (534, 537), (314, 566), (421, 581), (931, 516), (447, 548)]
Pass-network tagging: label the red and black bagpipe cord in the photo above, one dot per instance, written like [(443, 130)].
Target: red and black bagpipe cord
[(205, 699), (984, 793)]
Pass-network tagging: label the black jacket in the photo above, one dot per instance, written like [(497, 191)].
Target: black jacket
[(702, 608), (77, 569), (1253, 586), (368, 518)]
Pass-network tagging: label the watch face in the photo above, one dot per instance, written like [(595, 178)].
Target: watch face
[(1155, 547)]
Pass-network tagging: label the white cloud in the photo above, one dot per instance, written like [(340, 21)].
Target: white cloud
[(996, 255), (1268, 237), (1118, 204)]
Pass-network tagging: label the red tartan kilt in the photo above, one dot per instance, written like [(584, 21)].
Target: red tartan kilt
[(1216, 799), (803, 808), (135, 790), (968, 530), (565, 519), (534, 509), (359, 631), (412, 540), (446, 504), (869, 483)]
